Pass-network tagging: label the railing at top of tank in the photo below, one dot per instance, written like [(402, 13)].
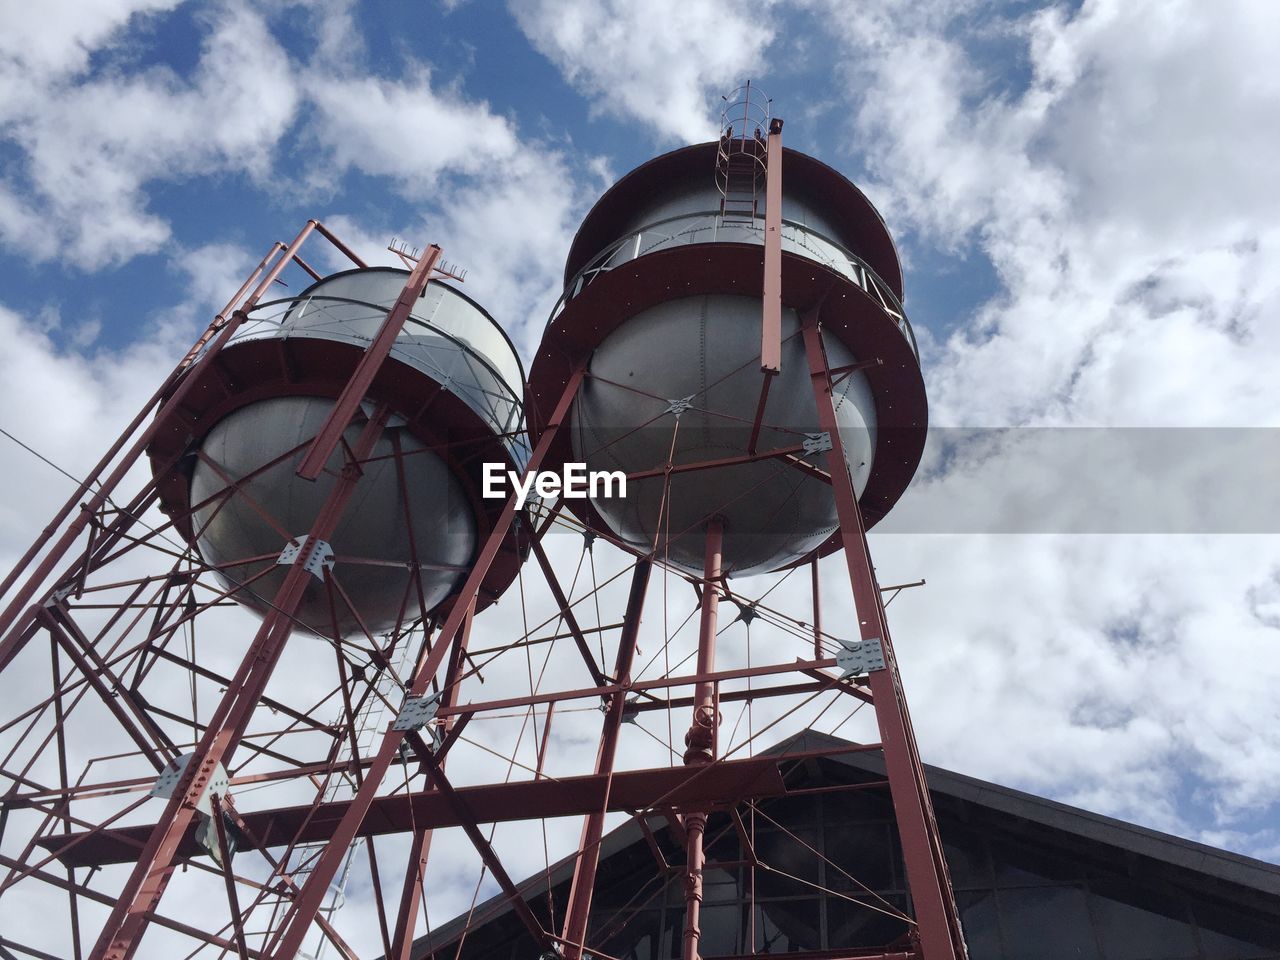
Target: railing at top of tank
[(460, 368), (711, 227)]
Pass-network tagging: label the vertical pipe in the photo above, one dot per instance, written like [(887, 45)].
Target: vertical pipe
[(695, 825), (700, 741), (817, 611)]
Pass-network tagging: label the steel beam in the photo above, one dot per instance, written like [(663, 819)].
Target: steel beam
[(704, 728), (584, 869), (420, 845), (357, 386), (217, 333), (624, 790), (930, 886)]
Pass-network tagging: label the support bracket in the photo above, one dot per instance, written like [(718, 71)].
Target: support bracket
[(678, 407), (858, 658), (317, 562), (207, 836), (216, 781), (416, 712), (815, 443)]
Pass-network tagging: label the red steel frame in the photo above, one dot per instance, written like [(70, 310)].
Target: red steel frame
[(100, 532)]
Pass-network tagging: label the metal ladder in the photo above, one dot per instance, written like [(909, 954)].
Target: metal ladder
[(742, 154)]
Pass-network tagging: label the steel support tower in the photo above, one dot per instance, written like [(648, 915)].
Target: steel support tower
[(169, 775)]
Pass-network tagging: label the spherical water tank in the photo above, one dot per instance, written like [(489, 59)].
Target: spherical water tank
[(391, 519), (409, 533), (663, 308), (707, 347)]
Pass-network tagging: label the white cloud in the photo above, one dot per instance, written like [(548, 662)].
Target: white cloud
[(1122, 199), (503, 206), (1125, 202), (93, 144), (58, 37), (664, 63), (62, 404), (1100, 670), (407, 130)]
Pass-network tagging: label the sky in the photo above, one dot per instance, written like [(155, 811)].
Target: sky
[(1083, 196)]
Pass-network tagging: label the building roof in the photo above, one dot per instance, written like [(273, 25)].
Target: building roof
[(1244, 881)]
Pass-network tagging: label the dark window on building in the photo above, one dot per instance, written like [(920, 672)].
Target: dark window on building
[(869, 924), (1047, 923), (1227, 934), (1135, 925), (980, 918)]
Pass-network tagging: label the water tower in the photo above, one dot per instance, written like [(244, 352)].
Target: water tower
[(316, 459), (731, 338), (663, 303)]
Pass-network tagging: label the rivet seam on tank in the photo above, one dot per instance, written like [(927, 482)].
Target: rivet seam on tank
[(857, 658)]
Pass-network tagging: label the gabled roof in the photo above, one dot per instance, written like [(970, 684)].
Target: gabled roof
[(1247, 882), (1163, 847)]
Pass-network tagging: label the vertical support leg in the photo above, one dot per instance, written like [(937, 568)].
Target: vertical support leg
[(584, 871), (927, 878), (64, 808), (700, 741), (771, 326)]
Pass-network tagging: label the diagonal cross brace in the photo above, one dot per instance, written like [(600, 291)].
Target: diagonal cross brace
[(353, 393), (468, 823)]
